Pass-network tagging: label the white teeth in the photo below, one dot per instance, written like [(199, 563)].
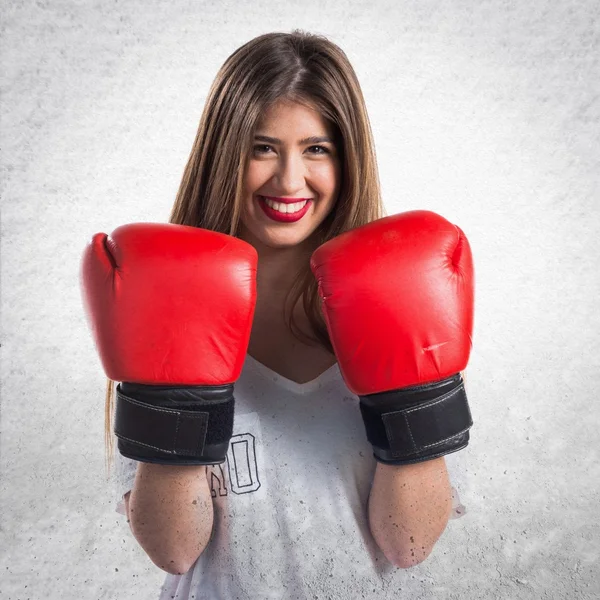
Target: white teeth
[(285, 208)]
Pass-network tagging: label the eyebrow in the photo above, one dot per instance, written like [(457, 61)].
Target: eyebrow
[(315, 139)]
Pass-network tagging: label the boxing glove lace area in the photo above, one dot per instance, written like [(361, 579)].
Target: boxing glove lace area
[(166, 424), (417, 423)]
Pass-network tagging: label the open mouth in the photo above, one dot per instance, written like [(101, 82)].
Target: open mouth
[(285, 208), (284, 212)]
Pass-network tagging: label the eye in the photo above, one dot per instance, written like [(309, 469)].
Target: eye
[(318, 150), (261, 149)]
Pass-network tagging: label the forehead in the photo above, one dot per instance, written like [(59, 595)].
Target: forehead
[(293, 117)]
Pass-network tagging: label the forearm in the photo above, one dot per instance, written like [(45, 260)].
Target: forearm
[(171, 514), (409, 508)]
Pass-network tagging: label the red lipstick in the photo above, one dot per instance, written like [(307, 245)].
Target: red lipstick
[(275, 215)]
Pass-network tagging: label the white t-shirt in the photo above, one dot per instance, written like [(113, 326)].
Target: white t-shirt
[(290, 502)]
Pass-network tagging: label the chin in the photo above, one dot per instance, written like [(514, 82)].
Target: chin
[(277, 237), (287, 237), (288, 240), (259, 230)]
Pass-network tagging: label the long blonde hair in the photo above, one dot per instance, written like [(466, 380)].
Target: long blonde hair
[(299, 67)]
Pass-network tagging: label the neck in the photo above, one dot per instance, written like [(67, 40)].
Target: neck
[(277, 271)]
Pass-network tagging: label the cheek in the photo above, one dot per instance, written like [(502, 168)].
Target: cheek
[(255, 176), (325, 177)]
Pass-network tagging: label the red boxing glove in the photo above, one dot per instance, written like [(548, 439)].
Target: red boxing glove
[(397, 298), (171, 307)]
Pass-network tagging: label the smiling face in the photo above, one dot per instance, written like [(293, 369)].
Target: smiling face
[(292, 178)]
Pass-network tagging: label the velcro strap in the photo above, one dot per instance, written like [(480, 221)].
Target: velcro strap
[(418, 428), (417, 423), (174, 431)]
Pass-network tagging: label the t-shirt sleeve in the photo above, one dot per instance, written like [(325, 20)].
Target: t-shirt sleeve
[(123, 476)]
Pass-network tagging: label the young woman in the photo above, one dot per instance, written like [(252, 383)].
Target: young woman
[(296, 505)]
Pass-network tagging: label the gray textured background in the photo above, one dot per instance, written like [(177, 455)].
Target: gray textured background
[(487, 112)]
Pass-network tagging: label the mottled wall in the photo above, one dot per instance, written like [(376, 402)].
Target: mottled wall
[(487, 112)]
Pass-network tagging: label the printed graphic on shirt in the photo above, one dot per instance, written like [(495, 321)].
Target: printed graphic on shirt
[(239, 474), (241, 465)]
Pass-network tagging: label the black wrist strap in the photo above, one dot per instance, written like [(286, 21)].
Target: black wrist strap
[(418, 423), (187, 425)]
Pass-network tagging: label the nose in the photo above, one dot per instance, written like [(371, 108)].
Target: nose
[(290, 175)]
